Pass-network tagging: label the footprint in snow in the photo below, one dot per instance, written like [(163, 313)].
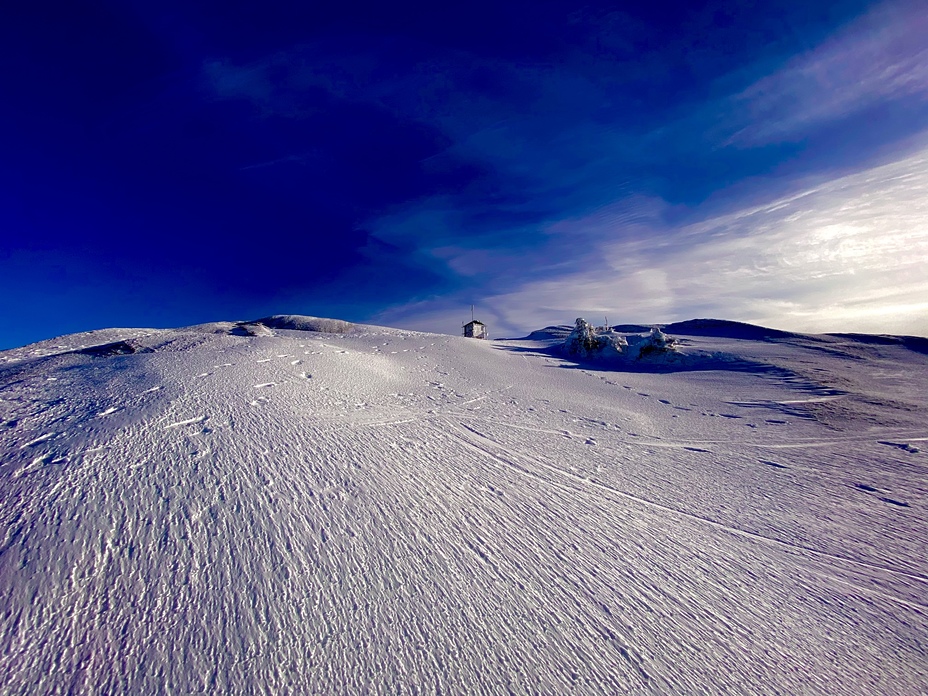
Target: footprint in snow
[(41, 438), (189, 421), (265, 384), (904, 446), (870, 489), (773, 464), (35, 465), (264, 360), (111, 409), (696, 449)]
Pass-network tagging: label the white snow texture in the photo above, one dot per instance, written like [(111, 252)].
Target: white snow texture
[(299, 505)]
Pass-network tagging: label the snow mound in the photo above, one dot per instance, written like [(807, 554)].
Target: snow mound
[(266, 325), (115, 348), (297, 322), (251, 328), (85, 342)]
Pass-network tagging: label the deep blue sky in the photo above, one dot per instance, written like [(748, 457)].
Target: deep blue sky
[(175, 162)]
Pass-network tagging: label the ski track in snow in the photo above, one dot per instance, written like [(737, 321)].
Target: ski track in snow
[(405, 513)]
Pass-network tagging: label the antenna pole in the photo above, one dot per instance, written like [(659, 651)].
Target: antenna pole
[(472, 312)]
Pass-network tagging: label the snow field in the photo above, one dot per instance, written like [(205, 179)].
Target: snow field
[(392, 512)]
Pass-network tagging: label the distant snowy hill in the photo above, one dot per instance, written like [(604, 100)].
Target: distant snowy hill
[(302, 505)]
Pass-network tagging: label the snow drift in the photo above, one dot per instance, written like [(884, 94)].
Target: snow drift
[(295, 506)]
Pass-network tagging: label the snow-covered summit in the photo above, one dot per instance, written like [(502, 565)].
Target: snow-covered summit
[(301, 505)]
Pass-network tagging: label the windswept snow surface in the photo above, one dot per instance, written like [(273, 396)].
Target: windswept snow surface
[(381, 511)]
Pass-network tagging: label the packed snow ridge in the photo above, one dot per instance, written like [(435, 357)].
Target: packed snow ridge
[(305, 505)]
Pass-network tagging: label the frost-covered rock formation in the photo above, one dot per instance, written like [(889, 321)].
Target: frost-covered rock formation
[(656, 346), (589, 342)]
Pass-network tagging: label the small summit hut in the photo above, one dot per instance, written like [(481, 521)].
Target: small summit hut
[(475, 329)]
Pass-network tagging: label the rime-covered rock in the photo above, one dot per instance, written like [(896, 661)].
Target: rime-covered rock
[(587, 341), (655, 347)]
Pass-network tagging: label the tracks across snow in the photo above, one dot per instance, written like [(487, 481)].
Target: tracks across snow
[(541, 470)]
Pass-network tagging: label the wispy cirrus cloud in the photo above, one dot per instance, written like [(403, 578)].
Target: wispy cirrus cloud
[(845, 254), (879, 58)]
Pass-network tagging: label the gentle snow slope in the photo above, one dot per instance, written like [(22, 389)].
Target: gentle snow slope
[(390, 512)]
